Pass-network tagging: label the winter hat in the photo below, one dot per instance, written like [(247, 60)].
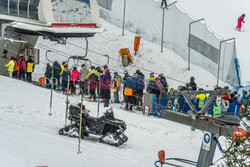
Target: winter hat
[(161, 75), (48, 64), (152, 74), (243, 15), (115, 73), (21, 55), (106, 71), (83, 65)]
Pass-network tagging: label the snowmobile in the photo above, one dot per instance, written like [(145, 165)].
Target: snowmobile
[(107, 126)]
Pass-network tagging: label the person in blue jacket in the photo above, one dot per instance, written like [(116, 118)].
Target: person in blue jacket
[(234, 106), (134, 83), (129, 99), (140, 86)]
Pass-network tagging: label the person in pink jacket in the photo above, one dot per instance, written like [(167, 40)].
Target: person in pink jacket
[(240, 20), (73, 80)]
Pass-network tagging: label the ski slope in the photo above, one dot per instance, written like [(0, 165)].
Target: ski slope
[(221, 17), (110, 42), (29, 136)]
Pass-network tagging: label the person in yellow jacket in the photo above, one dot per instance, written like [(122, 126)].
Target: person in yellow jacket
[(30, 69), (63, 66), (10, 66), (201, 98)]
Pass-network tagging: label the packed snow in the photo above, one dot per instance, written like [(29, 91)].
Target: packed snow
[(221, 17), (29, 136)]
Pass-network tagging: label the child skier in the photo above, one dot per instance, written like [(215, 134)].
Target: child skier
[(240, 20)]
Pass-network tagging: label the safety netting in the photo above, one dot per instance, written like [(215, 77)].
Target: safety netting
[(144, 17)]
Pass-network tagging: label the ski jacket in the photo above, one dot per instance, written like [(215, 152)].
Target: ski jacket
[(91, 72), (152, 87), (22, 64), (234, 107), (241, 19), (134, 82), (48, 72), (117, 81), (10, 66), (130, 83), (16, 68), (74, 76), (93, 79), (159, 84), (106, 81), (30, 65), (57, 69), (164, 82), (201, 98), (140, 84), (191, 85), (62, 69), (65, 75), (83, 74)]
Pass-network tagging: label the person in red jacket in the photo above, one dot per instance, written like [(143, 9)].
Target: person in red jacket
[(240, 20), (22, 67)]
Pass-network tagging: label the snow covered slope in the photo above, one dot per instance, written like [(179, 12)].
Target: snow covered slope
[(29, 136), (111, 41), (221, 16)]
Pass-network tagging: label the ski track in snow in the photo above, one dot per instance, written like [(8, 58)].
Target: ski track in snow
[(29, 136)]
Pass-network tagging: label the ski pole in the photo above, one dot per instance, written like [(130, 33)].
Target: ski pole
[(51, 91), (67, 101), (80, 127), (99, 94)]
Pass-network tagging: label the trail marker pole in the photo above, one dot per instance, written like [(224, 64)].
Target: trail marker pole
[(51, 91)]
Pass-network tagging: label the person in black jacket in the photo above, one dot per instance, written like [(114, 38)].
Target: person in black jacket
[(191, 85), (57, 70), (48, 74)]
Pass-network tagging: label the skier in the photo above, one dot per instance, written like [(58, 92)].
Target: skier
[(164, 83), (83, 78), (73, 80), (128, 92), (10, 66), (126, 75), (48, 74), (22, 67), (92, 78), (30, 69), (16, 68), (164, 2), (117, 86), (106, 81), (56, 75), (159, 86), (65, 77), (191, 85), (134, 82), (140, 86), (244, 100), (240, 20), (151, 87)]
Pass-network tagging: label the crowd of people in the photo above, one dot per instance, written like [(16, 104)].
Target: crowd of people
[(98, 82), (20, 68)]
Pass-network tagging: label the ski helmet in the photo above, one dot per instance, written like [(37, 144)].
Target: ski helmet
[(115, 73), (126, 72), (192, 78), (48, 64), (161, 75), (243, 15), (92, 68), (138, 71), (152, 74)]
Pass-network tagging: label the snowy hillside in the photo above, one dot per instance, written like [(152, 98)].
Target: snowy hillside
[(221, 16), (110, 42), (29, 136)]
